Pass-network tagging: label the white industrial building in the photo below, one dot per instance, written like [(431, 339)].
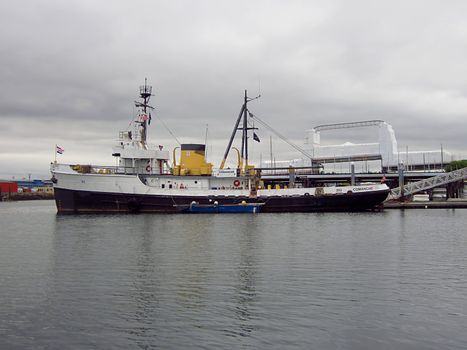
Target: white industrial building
[(384, 151)]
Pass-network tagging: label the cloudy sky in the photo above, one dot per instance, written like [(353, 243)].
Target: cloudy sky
[(70, 71)]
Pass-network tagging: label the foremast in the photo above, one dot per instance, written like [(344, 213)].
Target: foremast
[(144, 115), (134, 153)]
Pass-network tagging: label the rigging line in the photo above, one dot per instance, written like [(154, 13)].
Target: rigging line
[(167, 128), (206, 142), (283, 138), (132, 118)]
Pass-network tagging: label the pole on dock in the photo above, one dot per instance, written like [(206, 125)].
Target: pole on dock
[(442, 160), (401, 178), (291, 177), (270, 148)]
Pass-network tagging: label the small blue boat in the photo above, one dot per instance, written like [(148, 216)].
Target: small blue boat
[(224, 208)]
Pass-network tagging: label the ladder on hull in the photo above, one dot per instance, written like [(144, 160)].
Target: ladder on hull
[(426, 184)]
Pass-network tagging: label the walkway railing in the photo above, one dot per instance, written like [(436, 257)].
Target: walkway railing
[(435, 181)]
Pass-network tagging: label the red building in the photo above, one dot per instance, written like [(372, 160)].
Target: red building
[(8, 187)]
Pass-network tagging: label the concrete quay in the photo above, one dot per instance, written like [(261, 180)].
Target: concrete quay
[(448, 204)]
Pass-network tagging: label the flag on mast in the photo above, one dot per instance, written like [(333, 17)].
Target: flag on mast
[(59, 149)]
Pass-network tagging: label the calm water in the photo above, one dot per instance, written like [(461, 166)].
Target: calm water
[(390, 280)]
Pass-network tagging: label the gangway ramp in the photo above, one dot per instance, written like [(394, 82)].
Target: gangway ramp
[(426, 184)]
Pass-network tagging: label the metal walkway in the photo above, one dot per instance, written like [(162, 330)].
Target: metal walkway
[(350, 125), (435, 181)]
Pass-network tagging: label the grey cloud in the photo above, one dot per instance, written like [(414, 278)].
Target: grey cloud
[(69, 71)]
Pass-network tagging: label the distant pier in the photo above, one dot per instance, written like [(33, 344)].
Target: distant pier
[(448, 204), (26, 196)]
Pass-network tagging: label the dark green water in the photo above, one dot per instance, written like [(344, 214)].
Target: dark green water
[(389, 280)]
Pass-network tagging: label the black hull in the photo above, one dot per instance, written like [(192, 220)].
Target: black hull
[(71, 201)]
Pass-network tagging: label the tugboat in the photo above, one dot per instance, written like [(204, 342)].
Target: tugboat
[(144, 182)]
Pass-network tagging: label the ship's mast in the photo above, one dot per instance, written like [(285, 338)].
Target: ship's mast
[(245, 133), (243, 114), (145, 92)]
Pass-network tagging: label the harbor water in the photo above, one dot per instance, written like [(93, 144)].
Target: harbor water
[(394, 279)]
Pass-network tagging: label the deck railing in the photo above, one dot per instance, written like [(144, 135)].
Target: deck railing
[(105, 169)]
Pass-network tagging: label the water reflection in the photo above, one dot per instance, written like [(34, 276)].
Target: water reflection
[(159, 272), (141, 281), (245, 296), (194, 263), (143, 297)]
